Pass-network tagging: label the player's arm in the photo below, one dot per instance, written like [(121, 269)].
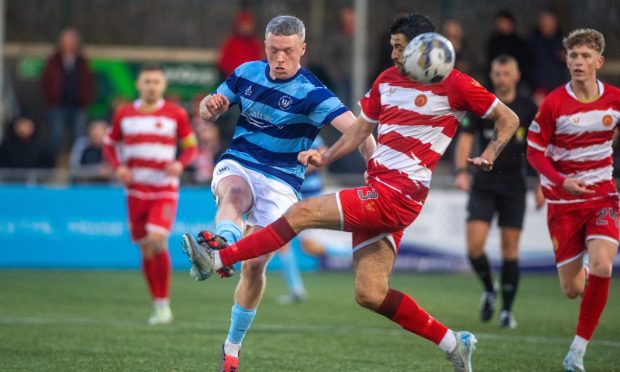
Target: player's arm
[(343, 121), (188, 144), (351, 139), (213, 106), (506, 123), (464, 145), (110, 151)]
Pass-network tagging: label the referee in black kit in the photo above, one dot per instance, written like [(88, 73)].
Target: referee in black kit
[(500, 191)]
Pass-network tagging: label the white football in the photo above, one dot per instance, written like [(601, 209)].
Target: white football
[(428, 58)]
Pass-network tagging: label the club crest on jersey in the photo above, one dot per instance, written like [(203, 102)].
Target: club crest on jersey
[(420, 100), (285, 102), (158, 125), (248, 91), (607, 120)]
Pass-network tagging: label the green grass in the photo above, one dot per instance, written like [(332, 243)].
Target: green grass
[(96, 320)]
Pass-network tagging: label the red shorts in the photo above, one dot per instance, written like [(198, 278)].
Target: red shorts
[(376, 211), (572, 225), (145, 215)]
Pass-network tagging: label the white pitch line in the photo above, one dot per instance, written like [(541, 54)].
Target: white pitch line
[(124, 323)]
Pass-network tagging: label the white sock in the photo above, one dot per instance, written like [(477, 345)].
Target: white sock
[(448, 342), (579, 343), (160, 303), (217, 261), (231, 349)]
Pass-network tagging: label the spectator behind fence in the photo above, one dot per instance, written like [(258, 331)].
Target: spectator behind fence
[(338, 56), (465, 59), (68, 88), (22, 147), (86, 159), (209, 149), (549, 71), (505, 40), (242, 46)]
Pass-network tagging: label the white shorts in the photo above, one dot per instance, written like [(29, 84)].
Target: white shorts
[(271, 198)]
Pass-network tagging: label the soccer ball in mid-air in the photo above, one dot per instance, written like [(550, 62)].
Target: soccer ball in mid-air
[(428, 58)]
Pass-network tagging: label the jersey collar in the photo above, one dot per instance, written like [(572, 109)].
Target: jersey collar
[(138, 102), (569, 90)]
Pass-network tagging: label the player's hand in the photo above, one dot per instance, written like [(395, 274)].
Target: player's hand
[(311, 157), (575, 186), (480, 163), (123, 174), (539, 198), (212, 106), (462, 181), (174, 169)]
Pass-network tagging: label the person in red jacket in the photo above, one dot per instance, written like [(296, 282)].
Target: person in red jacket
[(242, 46), (148, 130), (68, 87)]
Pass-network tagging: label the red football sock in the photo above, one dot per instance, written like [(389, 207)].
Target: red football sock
[(148, 268), (592, 305), (403, 310), (267, 240), (162, 274)]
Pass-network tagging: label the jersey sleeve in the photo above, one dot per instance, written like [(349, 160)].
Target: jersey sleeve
[(230, 88), (542, 128), (466, 94), (115, 133), (184, 130), (324, 106), (371, 104)]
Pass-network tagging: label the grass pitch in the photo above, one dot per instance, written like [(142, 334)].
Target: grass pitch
[(96, 321)]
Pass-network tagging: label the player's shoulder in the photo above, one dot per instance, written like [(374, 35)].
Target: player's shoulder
[(173, 108), (251, 68), (310, 78), (612, 90), (556, 97), (125, 109), (460, 80), (390, 75)]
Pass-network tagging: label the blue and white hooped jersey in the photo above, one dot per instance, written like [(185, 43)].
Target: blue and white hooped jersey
[(313, 184), (279, 118)]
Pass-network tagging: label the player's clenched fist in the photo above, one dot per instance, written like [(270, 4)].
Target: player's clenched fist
[(212, 106), (311, 157), (124, 175)]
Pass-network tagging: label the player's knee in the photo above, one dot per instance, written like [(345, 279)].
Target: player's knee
[(571, 291), (368, 298), (254, 269), (235, 195), (300, 215), (600, 268)]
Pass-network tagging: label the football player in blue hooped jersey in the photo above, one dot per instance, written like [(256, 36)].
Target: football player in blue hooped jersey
[(283, 107)]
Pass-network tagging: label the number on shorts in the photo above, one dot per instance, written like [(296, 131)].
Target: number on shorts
[(370, 194), (603, 214)]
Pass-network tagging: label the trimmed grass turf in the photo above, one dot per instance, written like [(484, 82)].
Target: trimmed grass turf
[(96, 320)]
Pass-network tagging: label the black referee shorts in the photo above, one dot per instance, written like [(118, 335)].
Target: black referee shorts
[(508, 201)]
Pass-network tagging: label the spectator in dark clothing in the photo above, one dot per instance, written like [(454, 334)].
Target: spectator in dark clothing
[(465, 60), (68, 89), (506, 41), (23, 148), (242, 46), (338, 56), (549, 71), (86, 159)]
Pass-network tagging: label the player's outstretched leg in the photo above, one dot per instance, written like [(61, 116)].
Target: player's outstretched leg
[(373, 265)]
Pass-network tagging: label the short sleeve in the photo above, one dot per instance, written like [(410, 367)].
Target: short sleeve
[(466, 94), (371, 104), (230, 88), (324, 106), (542, 128), (183, 127), (115, 133)]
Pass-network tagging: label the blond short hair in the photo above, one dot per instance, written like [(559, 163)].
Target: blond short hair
[(585, 36)]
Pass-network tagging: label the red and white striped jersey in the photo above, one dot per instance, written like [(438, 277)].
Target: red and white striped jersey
[(416, 124), (149, 143), (577, 139)]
